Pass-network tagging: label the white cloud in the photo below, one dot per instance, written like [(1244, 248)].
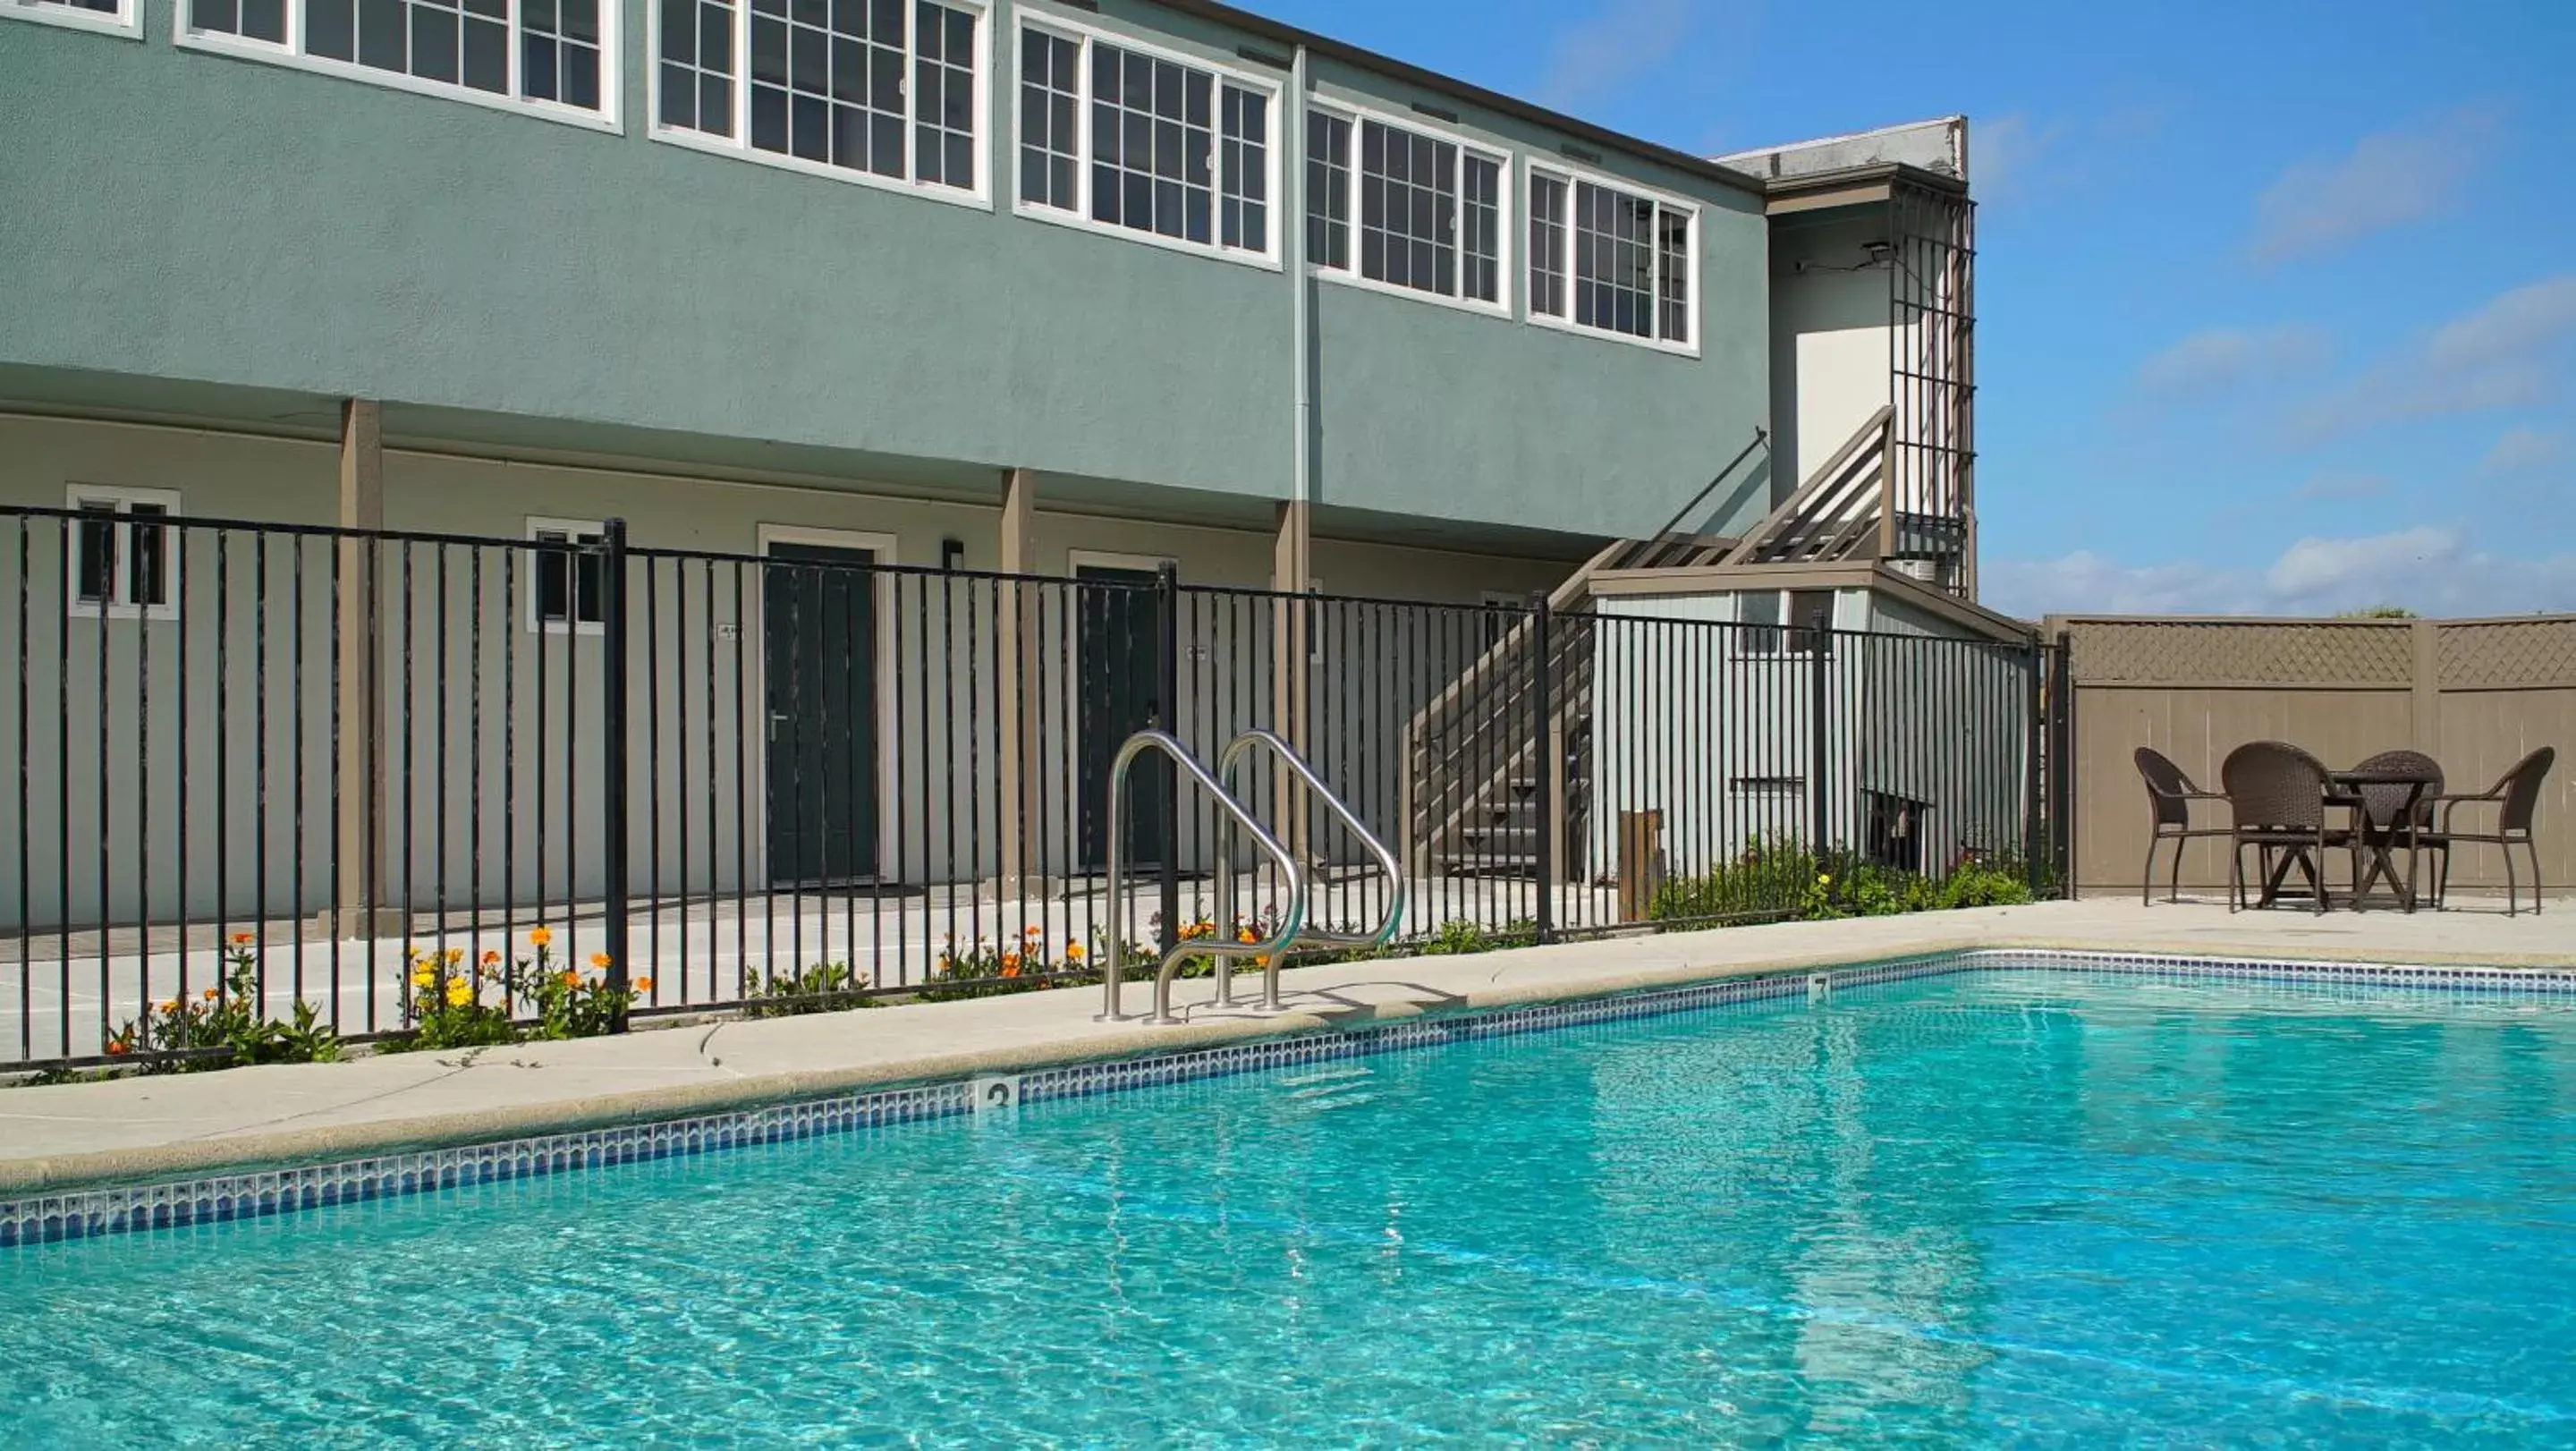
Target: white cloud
[(2388, 179), (2505, 353), (1621, 41), (2525, 450), (2340, 573), (2333, 487), (2227, 359), (2510, 327), (2432, 570), (2006, 152)]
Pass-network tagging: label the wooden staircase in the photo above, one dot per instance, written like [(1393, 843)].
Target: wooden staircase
[(1481, 770), (1846, 510), (1479, 765)]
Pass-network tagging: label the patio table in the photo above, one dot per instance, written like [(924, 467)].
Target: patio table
[(2379, 844)]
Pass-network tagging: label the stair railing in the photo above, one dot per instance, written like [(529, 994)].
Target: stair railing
[(1114, 952), (1310, 936)]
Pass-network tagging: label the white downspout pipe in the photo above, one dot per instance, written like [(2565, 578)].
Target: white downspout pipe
[(1292, 251)]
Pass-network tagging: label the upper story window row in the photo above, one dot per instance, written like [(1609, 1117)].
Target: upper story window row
[(114, 17), (888, 91), (1112, 134), (555, 56), (1119, 136)]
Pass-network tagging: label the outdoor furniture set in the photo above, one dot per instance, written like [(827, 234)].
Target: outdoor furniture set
[(2293, 811)]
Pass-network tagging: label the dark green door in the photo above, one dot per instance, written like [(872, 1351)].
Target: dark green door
[(1118, 658), (820, 630)]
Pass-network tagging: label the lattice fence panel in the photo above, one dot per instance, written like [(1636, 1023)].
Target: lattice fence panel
[(2508, 654), (2242, 652)]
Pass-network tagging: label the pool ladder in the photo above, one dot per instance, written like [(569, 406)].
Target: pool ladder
[(1290, 932)]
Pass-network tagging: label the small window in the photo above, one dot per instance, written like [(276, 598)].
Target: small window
[(554, 53), (1610, 260), (867, 89), (565, 574), (1328, 191), (1118, 137), (1809, 617), (1415, 210), (1050, 115), (124, 553), (116, 17)]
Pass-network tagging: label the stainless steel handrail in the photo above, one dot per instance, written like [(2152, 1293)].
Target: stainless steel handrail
[(1113, 952), (1320, 937)]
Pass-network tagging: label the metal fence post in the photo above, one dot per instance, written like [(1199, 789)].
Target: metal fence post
[(1820, 735), (1551, 770), (2061, 758), (614, 720), (1167, 716), (2037, 773)]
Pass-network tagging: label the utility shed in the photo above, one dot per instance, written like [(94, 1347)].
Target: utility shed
[(1844, 705)]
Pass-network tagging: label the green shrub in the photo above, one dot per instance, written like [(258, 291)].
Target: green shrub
[(825, 987), (449, 1002), (224, 1027), (1784, 881)]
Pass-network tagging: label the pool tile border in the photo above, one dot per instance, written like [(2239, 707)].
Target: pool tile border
[(223, 1198)]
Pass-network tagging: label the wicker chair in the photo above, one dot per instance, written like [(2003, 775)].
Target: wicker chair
[(2382, 805), (2169, 797), (2277, 794), (2517, 798)]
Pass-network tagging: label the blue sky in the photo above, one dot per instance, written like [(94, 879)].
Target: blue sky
[(2277, 302)]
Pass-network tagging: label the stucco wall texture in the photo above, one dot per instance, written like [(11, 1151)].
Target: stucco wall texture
[(168, 213)]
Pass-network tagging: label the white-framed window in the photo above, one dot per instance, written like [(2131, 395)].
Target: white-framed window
[(124, 554), (566, 576), (1116, 135), (1396, 205), (888, 92), (1785, 622), (1612, 258), (111, 17), (552, 58)]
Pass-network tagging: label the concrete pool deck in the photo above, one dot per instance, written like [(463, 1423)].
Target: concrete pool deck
[(62, 1136)]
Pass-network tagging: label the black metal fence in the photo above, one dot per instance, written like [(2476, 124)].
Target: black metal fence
[(805, 771)]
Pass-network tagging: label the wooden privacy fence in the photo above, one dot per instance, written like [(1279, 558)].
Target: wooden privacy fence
[(2473, 694)]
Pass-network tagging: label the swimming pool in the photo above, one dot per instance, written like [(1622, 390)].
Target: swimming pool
[(2003, 1205)]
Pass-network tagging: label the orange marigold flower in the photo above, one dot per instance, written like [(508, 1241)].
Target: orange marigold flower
[(1073, 952), (643, 984), (600, 960), (571, 978), (1010, 962), (171, 1006), (1247, 936), (1033, 931), (539, 937), (491, 958), (209, 995), (244, 939), (118, 1047)]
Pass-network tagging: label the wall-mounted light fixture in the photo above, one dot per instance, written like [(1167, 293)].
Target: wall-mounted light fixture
[(952, 554)]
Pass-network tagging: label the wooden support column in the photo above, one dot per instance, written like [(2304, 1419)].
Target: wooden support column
[(1015, 628), (359, 909), (2424, 712), (1292, 572)]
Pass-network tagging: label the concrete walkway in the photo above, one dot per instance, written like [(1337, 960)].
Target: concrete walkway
[(71, 1134)]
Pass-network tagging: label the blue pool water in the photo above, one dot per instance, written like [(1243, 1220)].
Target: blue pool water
[(2006, 1207)]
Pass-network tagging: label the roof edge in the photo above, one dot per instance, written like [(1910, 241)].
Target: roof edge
[(1283, 33)]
